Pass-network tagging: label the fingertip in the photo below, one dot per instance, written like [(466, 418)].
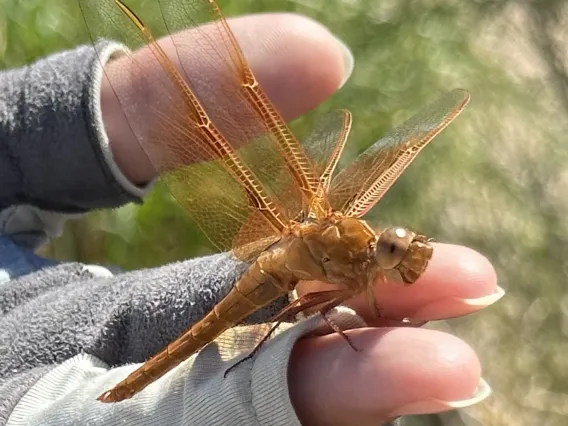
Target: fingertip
[(298, 61), (457, 281), (437, 363), (433, 372), (396, 371), (348, 61), (456, 265)]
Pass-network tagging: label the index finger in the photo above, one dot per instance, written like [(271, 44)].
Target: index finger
[(457, 281), (296, 60)]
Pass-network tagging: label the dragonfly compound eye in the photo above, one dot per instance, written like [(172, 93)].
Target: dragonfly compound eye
[(392, 245)]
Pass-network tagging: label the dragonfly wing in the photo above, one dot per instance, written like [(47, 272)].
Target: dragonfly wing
[(323, 146), (362, 183), (196, 155), (234, 99), (220, 207)]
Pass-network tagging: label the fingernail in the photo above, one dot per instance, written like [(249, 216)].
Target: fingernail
[(455, 306), (483, 391), (486, 300), (433, 405), (348, 61)]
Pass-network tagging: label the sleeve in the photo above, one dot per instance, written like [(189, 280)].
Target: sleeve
[(53, 148), (61, 328), (55, 158), (194, 393)]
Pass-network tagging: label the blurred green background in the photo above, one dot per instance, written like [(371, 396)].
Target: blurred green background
[(496, 180)]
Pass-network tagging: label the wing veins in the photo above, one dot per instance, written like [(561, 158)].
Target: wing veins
[(383, 163), (325, 177), (364, 201), (320, 203), (226, 152), (290, 148)]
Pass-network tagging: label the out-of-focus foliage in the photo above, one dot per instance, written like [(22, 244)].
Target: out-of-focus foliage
[(496, 180)]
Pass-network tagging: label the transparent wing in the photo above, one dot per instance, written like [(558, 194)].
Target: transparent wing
[(222, 210), (323, 146), (234, 97), (203, 121), (362, 183)]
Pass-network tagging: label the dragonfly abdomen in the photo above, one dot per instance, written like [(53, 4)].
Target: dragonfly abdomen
[(255, 289)]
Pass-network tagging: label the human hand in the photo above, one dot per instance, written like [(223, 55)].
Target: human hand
[(398, 370), (297, 61)]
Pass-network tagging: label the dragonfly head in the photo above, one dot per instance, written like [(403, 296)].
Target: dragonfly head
[(402, 255)]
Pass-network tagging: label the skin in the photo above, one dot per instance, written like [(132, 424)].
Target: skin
[(399, 370)]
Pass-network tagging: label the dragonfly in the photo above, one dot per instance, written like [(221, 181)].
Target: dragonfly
[(257, 192)]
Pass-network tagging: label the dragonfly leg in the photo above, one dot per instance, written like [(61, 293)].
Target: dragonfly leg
[(373, 306), (302, 303), (339, 331), (254, 351), (325, 310), (377, 313)]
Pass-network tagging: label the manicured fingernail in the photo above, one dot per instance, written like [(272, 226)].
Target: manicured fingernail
[(483, 391), (449, 307), (348, 61), (433, 405), (486, 300)]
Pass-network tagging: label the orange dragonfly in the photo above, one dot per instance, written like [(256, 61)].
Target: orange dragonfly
[(230, 160)]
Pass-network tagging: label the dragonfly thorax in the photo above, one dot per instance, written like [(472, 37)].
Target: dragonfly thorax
[(338, 250), (345, 250)]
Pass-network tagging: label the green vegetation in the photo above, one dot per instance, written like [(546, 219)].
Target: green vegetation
[(496, 180)]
